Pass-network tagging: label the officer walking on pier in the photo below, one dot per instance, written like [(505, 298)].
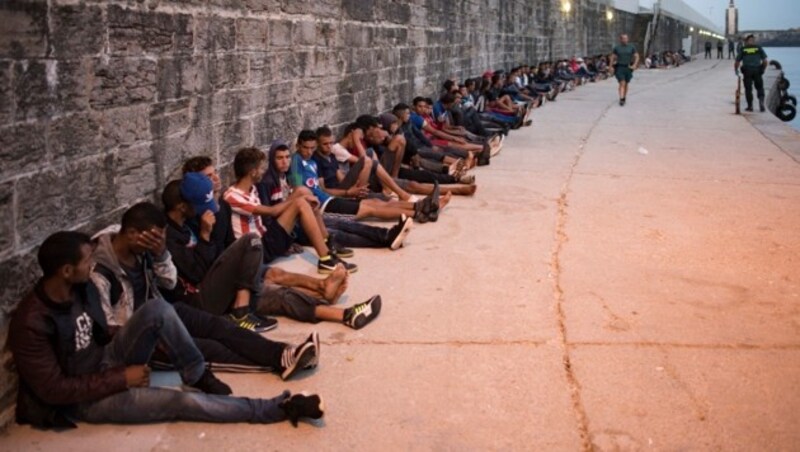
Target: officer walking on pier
[(624, 60), (753, 61)]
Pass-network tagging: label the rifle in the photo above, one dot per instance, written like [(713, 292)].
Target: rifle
[(738, 94)]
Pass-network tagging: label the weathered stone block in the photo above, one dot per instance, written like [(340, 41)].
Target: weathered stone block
[(135, 175), (355, 35), (272, 6), (132, 32), (395, 12), (35, 85), (232, 136), (328, 35), (22, 148), (7, 219), (215, 33), (75, 135), (229, 70), (125, 126), (358, 10), (77, 30), (73, 85), (9, 379), (305, 33), (281, 94), (123, 81), (63, 197), (261, 68), (280, 33), (19, 274), (23, 29), (318, 8), (169, 118), (284, 123), (251, 34), (6, 93), (181, 77)]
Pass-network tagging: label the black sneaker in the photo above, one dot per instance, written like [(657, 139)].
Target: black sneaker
[(210, 384), (254, 323), (397, 234), (269, 322), (749, 108), (303, 405), (338, 249), (297, 358), (358, 316), (327, 265)]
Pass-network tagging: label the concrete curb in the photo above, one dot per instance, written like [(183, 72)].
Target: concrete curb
[(778, 132)]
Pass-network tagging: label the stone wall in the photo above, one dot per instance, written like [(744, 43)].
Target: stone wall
[(101, 100)]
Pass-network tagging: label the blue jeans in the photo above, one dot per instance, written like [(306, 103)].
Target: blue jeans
[(156, 323), (145, 405)]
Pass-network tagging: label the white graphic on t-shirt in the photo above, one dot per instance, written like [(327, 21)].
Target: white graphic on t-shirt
[(83, 331)]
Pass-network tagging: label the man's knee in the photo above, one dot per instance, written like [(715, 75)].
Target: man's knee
[(248, 241), (366, 162), (156, 308)]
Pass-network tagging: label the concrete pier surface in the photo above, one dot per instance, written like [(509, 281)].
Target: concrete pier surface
[(626, 278)]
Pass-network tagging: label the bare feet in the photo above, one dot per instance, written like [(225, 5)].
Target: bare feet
[(444, 199), (460, 190), (335, 284)]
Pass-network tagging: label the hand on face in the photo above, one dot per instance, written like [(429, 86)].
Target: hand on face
[(153, 240), (208, 219)]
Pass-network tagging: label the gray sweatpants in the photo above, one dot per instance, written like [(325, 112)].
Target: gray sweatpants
[(283, 301), (235, 269)]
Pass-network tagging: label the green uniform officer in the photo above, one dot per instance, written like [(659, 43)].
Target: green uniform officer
[(753, 61), (624, 60)]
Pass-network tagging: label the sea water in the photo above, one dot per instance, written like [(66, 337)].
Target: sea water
[(789, 57)]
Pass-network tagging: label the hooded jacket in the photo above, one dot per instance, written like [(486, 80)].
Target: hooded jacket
[(269, 188), (116, 289), (58, 349)]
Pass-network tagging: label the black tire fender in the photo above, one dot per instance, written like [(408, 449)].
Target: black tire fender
[(786, 112)]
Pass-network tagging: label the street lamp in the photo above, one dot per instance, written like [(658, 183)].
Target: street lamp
[(566, 6), (609, 15)]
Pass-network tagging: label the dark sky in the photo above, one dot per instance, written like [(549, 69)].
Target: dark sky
[(753, 14)]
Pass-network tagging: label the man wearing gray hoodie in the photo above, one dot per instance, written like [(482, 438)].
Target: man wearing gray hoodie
[(133, 263)]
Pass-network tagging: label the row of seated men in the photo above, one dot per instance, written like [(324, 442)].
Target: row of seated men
[(192, 284)]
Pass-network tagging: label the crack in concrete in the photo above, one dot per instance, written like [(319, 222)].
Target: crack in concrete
[(435, 343), (687, 179), (558, 292), (647, 344)]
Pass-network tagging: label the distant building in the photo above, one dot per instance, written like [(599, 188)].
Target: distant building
[(732, 20)]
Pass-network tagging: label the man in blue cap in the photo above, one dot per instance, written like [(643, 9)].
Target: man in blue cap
[(213, 279)]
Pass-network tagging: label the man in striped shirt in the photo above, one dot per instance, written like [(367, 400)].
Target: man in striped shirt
[(275, 223)]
